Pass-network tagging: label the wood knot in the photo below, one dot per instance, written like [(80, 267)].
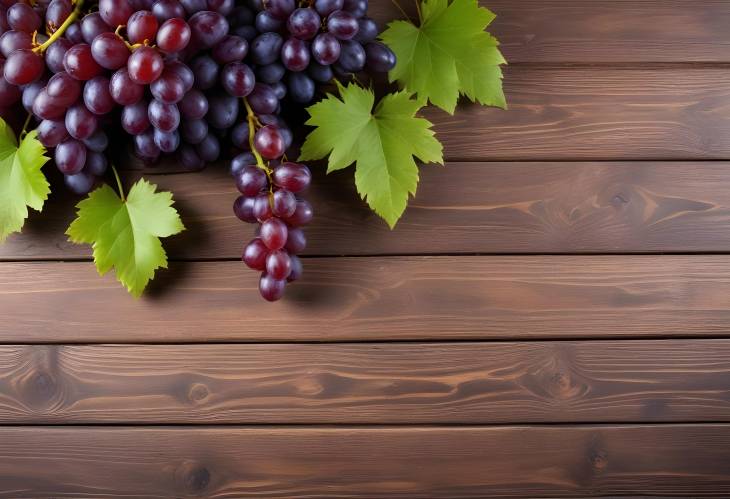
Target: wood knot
[(599, 460), (619, 200), (39, 389), (198, 393), (193, 476), (562, 386)]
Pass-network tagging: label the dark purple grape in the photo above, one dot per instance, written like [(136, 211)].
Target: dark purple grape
[(97, 97), (262, 207), (280, 9), (357, 8), (46, 108), (206, 71), (194, 105), (326, 7), (144, 145), (254, 254), (271, 289), (266, 22), (80, 122), (96, 163), (189, 159), (241, 161), (23, 66), (296, 242), (237, 79), (97, 142), (269, 142), (303, 23), (295, 54), (109, 51), (325, 49), (70, 156), (208, 28), (145, 65), (115, 12), (167, 9), (222, 110), (301, 88), (293, 177), (52, 132), (352, 57), (279, 89), (79, 62), (262, 99), (278, 264), (243, 209), (284, 203), (166, 141), (55, 53), (11, 41), (270, 73), (193, 131), (194, 6), (248, 33), (251, 180), (174, 35), (266, 48), (319, 72), (12, 93), (296, 269), (342, 25), (168, 88), (163, 116), (223, 7), (92, 25), (135, 118), (183, 72), (22, 17), (239, 135), (230, 49), (209, 149), (367, 30), (379, 57), (64, 89), (80, 183), (141, 26), (74, 33), (123, 90), (302, 215)]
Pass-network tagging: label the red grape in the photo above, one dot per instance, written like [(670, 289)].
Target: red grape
[(273, 233), (254, 254), (70, 156), (141, 26), (271, 289), (278, 264), (23, 66), (145, 65), (109, 51), (80, 63), (174, 35)]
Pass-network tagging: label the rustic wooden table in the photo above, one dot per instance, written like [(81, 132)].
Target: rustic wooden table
[(550, 318)]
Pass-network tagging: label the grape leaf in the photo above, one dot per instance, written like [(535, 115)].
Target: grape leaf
[(381, 143), (124, 233), (448, 54), (22, 183)]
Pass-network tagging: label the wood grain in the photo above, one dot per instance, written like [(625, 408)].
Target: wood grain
[(462, 208), (399, 298), (364, 462), (579, 31), (475, 383)]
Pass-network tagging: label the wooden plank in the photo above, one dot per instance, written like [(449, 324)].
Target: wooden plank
[(473, 383), (605, 31), (354, 299), (462, 208), (364, 462)]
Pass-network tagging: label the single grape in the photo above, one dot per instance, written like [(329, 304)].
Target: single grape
[(379, 57), (208, 28), (280, 9), (352, 57), (144, 145), (251, 180), (262, 207), (183, 72), (230, 49), (209, 149), (52, 132), (268, 142), (223, 7), (97, 97), (243, 209), (262, 99), (80, 122), (165, 117), (168, 88), (79, 62), (278, 264), (109, 51), (239, 136), (23, 66), (70, 156), (303, 23), (266, 22), (80, 183), (279, 89), (270, 73), (55, 53), (96, 163), (193, 6), (115, 12), (74, 33), (302, 215), (56, 13), (241, 161), (319, 72), (135, 119), (273, 233), (97, 142), (22, 17), (10, 93), (357, 8), (325, 49), (123, 90), (222, 110), (254, 254), (367, 30), (326, 7), (166, 141), (342, 25), (167, 9), (237, 79), (301, 88), (283, 204), (46, 108), (92, 25), (10, 41), (265, 48), (193, 131), (188, 158), (295, 54), (296, 269), (206, 71), (296, 241), (271, 289), (63, 88), (141, 26), (145, 65), (293, 177), (174, 35), (194, 105)]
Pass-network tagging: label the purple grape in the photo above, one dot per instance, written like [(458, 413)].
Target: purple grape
[(271, 289), (326, 7), (325, 49), (379, 57), (295, 54), (265, 48), (301, 88), (70, 156), (230, 49), (243, 209), (280, 9), (342, 25), (193, 131), (237, 79), (303, 23)]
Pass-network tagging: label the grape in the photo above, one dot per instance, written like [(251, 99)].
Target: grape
[(367, 30), (123, 90), (296, 269), (145, 65), (224, 7), (303, 23), (74, 33), (97, 142), (240, 161), (206, 71), (342, 24), (266, 22), (80, 183), (352, 56), (271, 289), (11, 41), (237, 79), (23, 66), (265, 48), (92, 25), (193, 6), (9, 95), (115, 12), (109, 51), (189, 159), (301, 88), (239, 136), (319, 72), (222, 110), (96, 163), (357, 8), (296, 242), (302, 215), (22, 17), (293, 177), (243, 209), (97, 97), (193, 131), (55, 53), (163, 116), (326, 7), (295, 54), (46, 108), (379, 57), (209, 148), (52, 132), (254, 254), (183, 72), (278, 264), (29, 93), (325, 49), (194, 105), (166, 141), (269, 142), (251, 180), (168, 88), (273, 233), (141, 26), (57, 12), (174, 35), (167, 9), (262, 99), (262, 207), (79, 63), (208, 28), (280, 9), (230, 49), (70, 156), (284, 203), (80, 122), (270, 73), (134, 118), (279, 90), (64, 88), (144, 145)]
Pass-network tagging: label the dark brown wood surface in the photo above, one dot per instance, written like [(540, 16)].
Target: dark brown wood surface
[(551, 317)]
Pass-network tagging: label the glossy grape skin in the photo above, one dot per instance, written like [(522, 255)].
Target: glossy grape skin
[(96, 163), (70, 156), (188, 158), (270, 73), (367, 30), (278, 264), (352, 56), (46, 108), (174, 35), (74, 33), (280, 9), (23, 66), (63, 88), (266, 22), (11, 41), (79, 62), (262, 207), (97, 98), (115, 12), (294, 177), (22, 17), (168, 88), (265, 48), (80, 122), (302, 215), (237, 79), (135, 118), (92, 25), (240, 161), (193, 131), (57, 12), (262, 99), (254, 254), (145, 65), (144, 145), (9, 94), (251, 181), (269, 142), (123, 90), (342, 25), (326, 7), (183, 72), (167, 9), (295, 54), (325, 49), (208, 28), (166, 141), (109, 51), (283, 204), (279, 90), (55, 53), (209, 149), (141, 26), (301, 88), (296, 241), (52, 132), (243, 209), (223, 7), (296, 268), (165, 117), (194, 105), (193, 6), (303, 23), (378, 57), (271, 289), (273, 233), (319, 72), (230, 49), (80, 183), (222, 110), (357, 8), (97, 142), (206, 71)]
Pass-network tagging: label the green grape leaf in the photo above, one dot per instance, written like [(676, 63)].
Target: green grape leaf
[(449, 54), (382, 143), (124, 233), (22, 183)]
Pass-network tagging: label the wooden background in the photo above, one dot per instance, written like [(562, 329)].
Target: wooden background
[(551, 317)]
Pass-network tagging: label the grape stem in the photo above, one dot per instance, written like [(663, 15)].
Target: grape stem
[(24, 131), (119, 184), (251, 116), (61, 29)]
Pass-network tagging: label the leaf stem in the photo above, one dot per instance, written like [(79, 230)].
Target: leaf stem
[(119, 184), (418, 9), (61, 29), (402, 11), (24, 131)]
